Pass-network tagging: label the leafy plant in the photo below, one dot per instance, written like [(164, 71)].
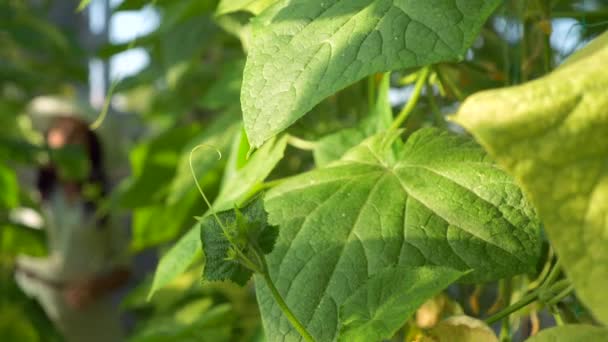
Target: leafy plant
[(374, 155), (380, 224)]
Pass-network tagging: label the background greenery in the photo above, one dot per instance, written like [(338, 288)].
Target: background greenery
[(188, 94)]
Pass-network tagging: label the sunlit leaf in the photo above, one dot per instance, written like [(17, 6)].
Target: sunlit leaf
[(439, 200), (551, 135), (305, 50)]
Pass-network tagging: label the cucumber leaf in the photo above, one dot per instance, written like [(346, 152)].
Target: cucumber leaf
[(305, 50), (437, 200), (571, 333), (550, 134), (385, 302)]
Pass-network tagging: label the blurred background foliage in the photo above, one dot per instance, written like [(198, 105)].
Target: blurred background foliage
[(183, 92)]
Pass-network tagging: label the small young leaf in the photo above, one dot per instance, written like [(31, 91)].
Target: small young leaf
[(221, 261), (250, 232), (571, 333), (305, 50), (385, 302), (550, 134)]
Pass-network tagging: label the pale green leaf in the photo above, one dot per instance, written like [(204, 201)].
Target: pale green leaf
[(595, 45), (438, 200), (237, 185), (9, 189), (82, 5), (385, 302), (551, 135), (252, 6), (571, 333), (178, 259), (305, 50), (460, 329)]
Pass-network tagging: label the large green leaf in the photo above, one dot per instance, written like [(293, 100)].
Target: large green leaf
[(305, 50), (571, 333), (438, 201), (551, 135), (381, 306)]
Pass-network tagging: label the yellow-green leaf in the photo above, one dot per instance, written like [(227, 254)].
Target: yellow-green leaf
[(552, 135), (572, 333)]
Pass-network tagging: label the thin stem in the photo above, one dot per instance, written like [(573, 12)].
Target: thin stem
[(553, 275), (256, 189), (524, 301), (198, 186), (548, 285), (559, 321), (371, 90), (544, 272), (244, 259), (411, 104), (288, 313), (561, 295), (548, 55), (439, 118), (447, 83), (590, 15), (505, 328), (301, 143)]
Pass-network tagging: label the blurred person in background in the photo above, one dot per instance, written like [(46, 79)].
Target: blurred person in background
[(87, 255)]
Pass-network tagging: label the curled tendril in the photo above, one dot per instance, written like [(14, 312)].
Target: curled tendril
[(198, 186)]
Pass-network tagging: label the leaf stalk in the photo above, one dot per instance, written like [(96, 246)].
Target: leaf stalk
[(411, 104), (288, 313)]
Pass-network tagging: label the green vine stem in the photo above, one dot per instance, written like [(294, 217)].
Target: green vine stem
[(549, 292), (437, 116), (553, 275), (300, 143), (524, 301), (506, 287), (261, 267), (411, 104), (448, 84), (279, 300)]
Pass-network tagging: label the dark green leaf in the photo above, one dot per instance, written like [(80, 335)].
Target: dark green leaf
[(247, 228)]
